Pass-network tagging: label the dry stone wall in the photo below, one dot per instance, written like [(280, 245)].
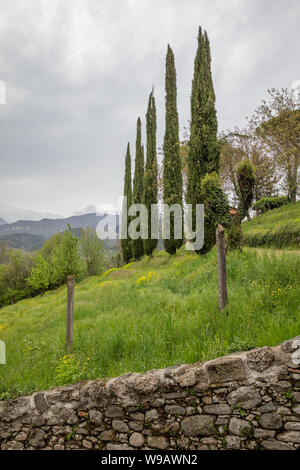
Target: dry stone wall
[(248, 400)]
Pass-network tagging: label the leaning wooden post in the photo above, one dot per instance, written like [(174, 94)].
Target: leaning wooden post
[(70, 310), (221, 254)]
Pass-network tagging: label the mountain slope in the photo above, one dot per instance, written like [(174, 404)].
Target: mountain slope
[(2, 221), (23, 241), (48, 227), (151, 314), (278, 228)]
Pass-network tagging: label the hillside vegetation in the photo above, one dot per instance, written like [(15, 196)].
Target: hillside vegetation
[(151, 314), (279, 228)]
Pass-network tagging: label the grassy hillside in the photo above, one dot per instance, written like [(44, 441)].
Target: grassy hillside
[(278, 228), (151, 314)]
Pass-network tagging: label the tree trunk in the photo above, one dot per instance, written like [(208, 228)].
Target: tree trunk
[(221, 255), (70, 310)]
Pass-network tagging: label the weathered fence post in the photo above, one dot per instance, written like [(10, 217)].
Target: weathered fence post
[(70, 310), (221, 254)]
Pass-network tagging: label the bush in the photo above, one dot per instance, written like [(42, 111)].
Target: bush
[(268, 203)]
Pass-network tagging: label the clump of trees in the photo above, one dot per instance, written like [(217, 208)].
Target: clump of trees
[(25, 275), (258, 162), (271, 142)]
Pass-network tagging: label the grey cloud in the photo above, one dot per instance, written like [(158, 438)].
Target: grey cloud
[(78, 74)]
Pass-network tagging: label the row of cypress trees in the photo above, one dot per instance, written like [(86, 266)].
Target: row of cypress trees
[(203, 158)]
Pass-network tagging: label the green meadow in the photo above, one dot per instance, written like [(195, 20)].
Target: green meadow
[(151, 314)]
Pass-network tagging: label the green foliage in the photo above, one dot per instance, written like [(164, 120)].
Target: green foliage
[(268, 203), (39, 278), (204, 154), (92, 250), (246, 179), (126, 242), (171, 318), (66, 259), (138, 185), (150, 195), (216, 202), (172, 172), (234, 236), (14, 272)]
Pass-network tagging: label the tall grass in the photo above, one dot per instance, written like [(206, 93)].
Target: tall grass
[(279, 228), (151, 314)]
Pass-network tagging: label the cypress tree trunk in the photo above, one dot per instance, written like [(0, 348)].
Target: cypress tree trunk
[(172, 174), (204, 152), (150, 176), (138, 185), (126, 243)]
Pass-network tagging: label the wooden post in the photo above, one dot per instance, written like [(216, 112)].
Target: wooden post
[(70, 309), (221, 254)]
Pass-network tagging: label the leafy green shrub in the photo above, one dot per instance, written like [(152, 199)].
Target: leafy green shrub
[(268, 203)]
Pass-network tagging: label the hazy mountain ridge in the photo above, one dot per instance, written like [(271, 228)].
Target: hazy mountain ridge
[(48, 227)]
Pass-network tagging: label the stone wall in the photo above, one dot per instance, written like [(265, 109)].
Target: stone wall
[(245, 400)]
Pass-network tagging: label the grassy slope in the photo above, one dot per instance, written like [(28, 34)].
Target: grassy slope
[(151, 314), (278, 228)]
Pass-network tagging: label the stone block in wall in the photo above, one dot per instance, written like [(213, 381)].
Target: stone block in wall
[(198, 425), (225, 369), (247, 397)]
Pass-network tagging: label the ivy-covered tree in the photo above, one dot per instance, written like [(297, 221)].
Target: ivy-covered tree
[(172, 169), (126, 242), (246, 179), (138, 185), (215, 200), (150, 176), (204, 152)]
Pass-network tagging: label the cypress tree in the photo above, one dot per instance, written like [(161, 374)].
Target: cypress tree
[(204, 152), (172, 173), (150, 176), (126, 242), (138, 184)]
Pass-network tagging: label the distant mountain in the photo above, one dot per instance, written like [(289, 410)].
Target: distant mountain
[(23, 241), (2, 221), (30, 235), (48, 227)]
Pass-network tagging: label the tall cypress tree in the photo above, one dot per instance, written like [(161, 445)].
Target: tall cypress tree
[(172, 173), (138, 184), (204, 152), (126, 242), (150, 176)]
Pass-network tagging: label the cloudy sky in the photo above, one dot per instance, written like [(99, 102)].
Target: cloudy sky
[(78, 74)]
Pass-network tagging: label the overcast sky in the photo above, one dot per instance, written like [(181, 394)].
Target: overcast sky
[(78, 74)]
